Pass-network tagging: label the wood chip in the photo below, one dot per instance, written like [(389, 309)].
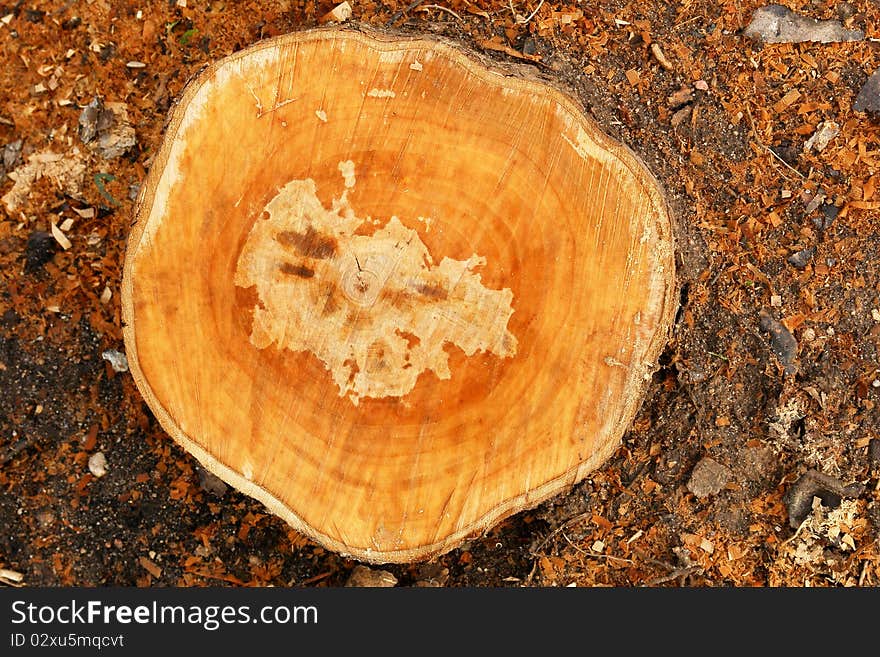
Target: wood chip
[(150, 566), (60, 237), (339, 14), (783, 103), (660, 57), (633, 76), (85, 213)]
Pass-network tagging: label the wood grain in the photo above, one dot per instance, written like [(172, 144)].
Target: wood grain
[(392, 292)]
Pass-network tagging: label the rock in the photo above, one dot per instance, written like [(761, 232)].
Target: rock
[(10, 156), (830, 490), (683, 96), (91, 118), (868, 99), (117, 360), (825, 132), (432, 575), (708, 478), (782, 342), (106, 129), (757, 464), (800, 259), (211, 483), (845, 10), (779, 24), (680, 116), (98, 464), (40, 249), (828, 214), (367, 577), (815, 200), (874, 451)]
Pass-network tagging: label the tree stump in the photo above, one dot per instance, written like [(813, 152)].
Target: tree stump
[(391, 291)]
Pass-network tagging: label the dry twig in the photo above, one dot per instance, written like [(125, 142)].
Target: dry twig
[(680, 572), (532, 15), (767, 148), (440, 8), (556, 531), (396, 15)]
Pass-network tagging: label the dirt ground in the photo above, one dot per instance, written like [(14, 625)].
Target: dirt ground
[(755, 459)]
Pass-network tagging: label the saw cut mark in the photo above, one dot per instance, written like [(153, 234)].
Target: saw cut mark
[(375, 309)]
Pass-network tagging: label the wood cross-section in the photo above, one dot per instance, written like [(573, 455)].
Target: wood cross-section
[(392, 291)]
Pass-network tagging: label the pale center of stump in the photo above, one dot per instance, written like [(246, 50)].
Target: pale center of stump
[(375, 309)]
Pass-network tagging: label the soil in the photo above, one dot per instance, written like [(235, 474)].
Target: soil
[(755, 458)]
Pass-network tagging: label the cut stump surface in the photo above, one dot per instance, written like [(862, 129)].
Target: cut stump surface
[(392, 292)]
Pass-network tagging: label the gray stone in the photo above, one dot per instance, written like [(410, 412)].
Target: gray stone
[(708, 478), (868, 99), (779, 24), (362, 576), (106, 128)]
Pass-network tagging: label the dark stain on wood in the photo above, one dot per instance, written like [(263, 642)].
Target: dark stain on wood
[(328, 294), (309, 244), (397, 298), (432, 291), (296, 270)]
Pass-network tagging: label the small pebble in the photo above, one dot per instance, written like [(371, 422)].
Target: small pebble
[(778, 24), (10, 155), (825, 132), (708, 478), (211, 483), (829, 214), (874, 451), (782, 342), (117, 360), (362, 576), (868, 99), (800, 259), (98, 464), (40, 249)]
